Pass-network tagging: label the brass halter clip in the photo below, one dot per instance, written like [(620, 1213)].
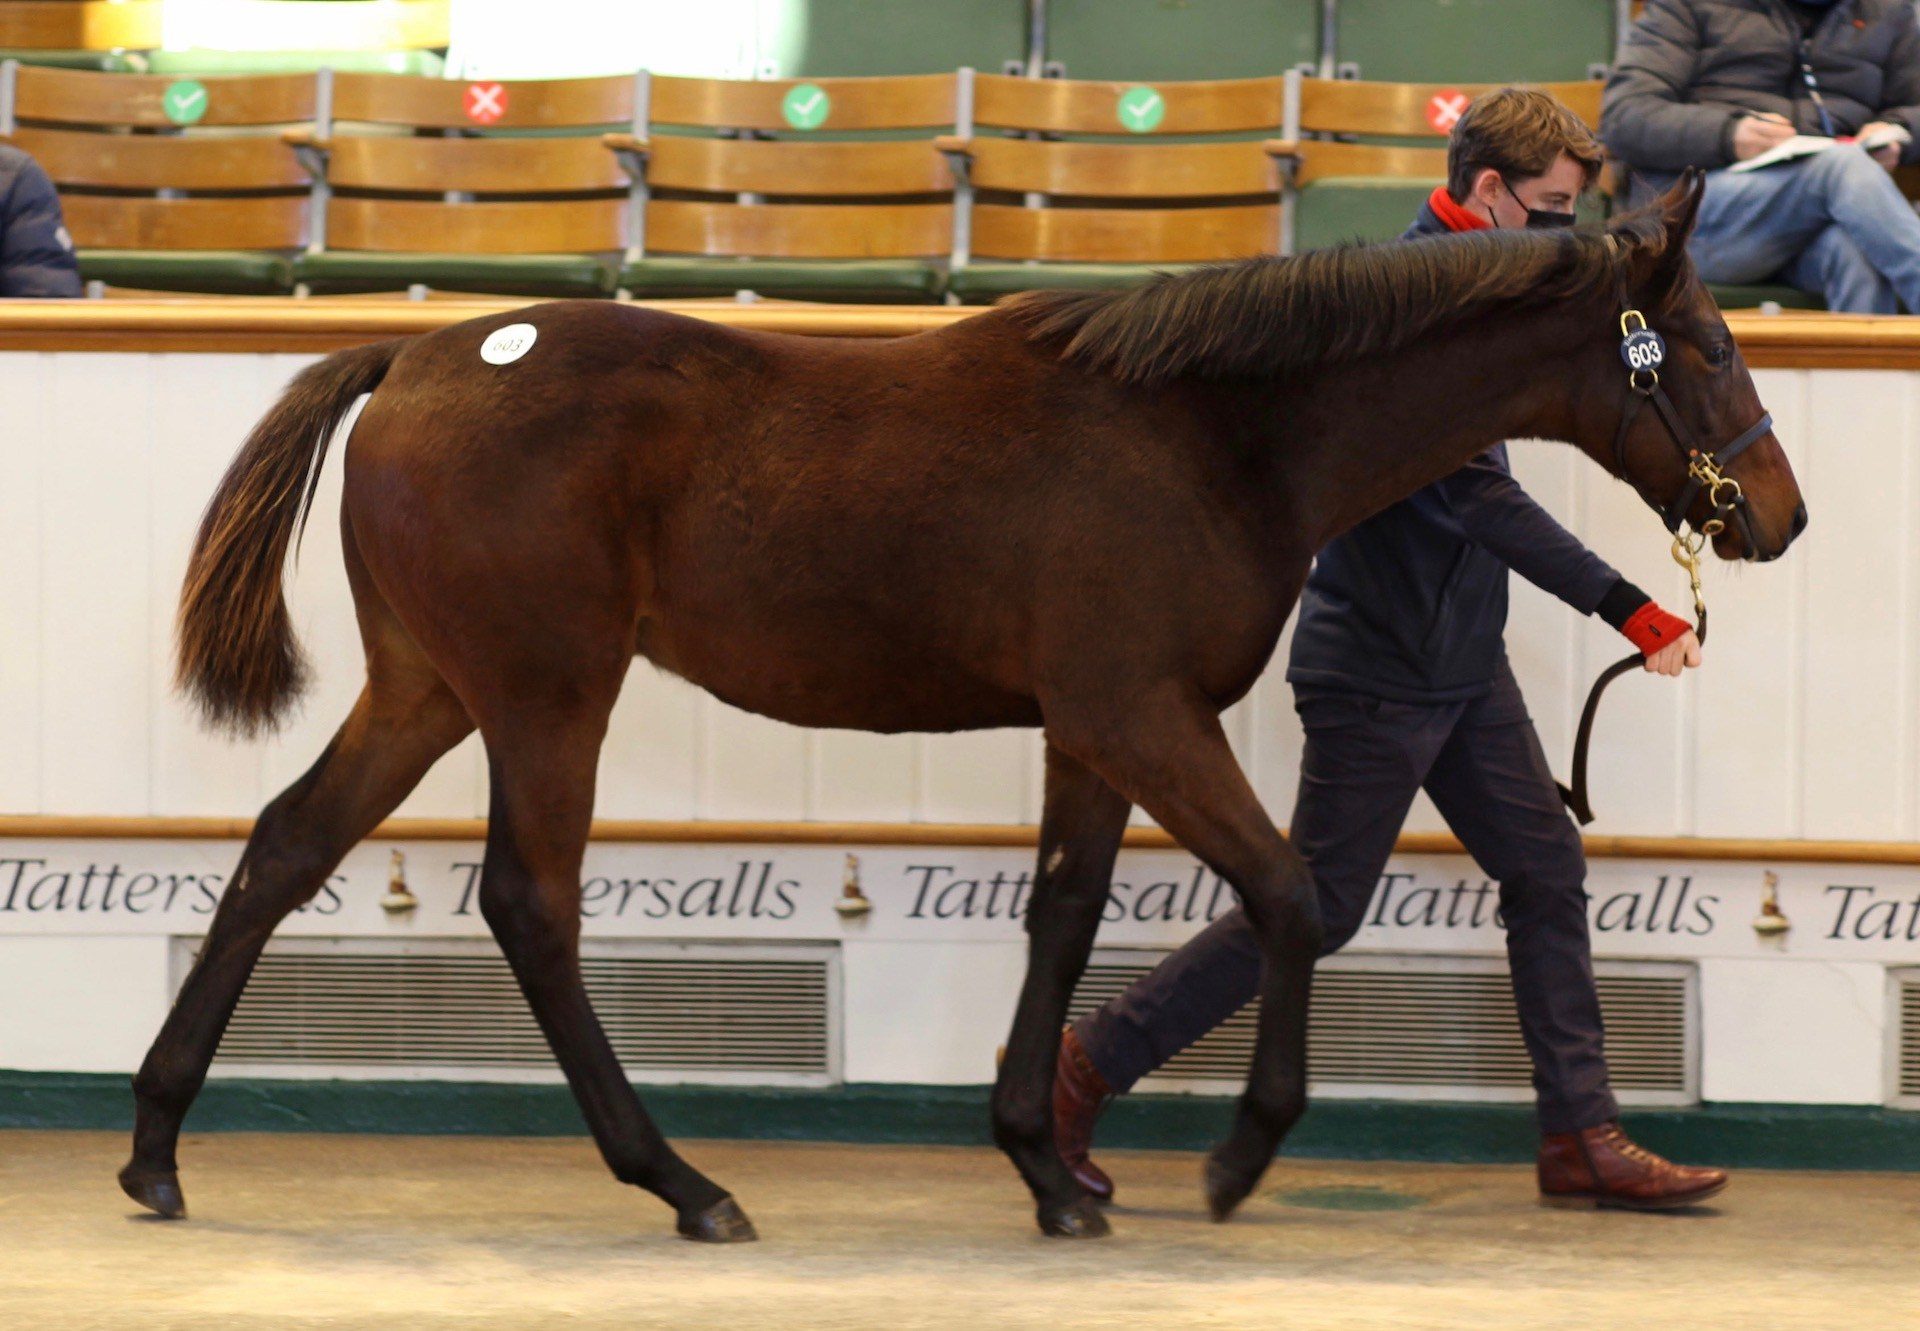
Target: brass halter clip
[(1686, 553), (1723, 491)]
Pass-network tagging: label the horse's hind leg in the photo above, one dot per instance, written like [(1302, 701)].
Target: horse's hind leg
[(542, 762), (405, 719), (1168, 754), (1080, 830)]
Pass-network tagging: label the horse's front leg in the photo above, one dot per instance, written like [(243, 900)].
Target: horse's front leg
[(1080, 831), (1164, 749), (542, 757)]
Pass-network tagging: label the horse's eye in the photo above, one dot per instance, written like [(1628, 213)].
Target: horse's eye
[(1720, 355)]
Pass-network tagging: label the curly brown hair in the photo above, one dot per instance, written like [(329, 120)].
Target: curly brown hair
[(1519, 132)]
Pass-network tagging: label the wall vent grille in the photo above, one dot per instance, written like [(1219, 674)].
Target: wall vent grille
[(1436, 1027), (1907, 1061), (449, 1007)]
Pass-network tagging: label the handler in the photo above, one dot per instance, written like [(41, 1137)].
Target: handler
[(1401, 680)]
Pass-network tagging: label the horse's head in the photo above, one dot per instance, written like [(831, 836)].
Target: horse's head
[(1688, 430)]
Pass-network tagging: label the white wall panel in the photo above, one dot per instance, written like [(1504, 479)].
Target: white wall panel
[(752, 767), (975, 778), (650, 764), (1033, 775), (1855, 473), (202, 407), (901, 1002), (80, 1005), (1901, 615), (28, 445), (1805, 1034), (859, 778), (96, 686), (1802, 722), (1744, 698)]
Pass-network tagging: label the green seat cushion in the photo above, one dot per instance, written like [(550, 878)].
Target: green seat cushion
[(665, 276), (1334, 212), (200, 60), (1731, 296), (987, 280), (487, 274), (114, 62), (226, 272)]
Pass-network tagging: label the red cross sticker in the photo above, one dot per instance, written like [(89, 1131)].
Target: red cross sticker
[(486, 102), (1445, 108)]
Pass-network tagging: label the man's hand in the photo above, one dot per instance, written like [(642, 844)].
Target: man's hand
[(1888, 156), (1683, 653), (1753, 135)]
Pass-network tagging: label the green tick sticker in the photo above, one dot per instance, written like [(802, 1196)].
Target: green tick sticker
[(185, 101), (1141, 110), (806, 105)]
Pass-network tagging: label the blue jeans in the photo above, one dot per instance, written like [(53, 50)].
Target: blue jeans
[(1833, 223)]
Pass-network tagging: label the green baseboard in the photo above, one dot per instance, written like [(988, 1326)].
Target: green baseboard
[(1744, 1135)]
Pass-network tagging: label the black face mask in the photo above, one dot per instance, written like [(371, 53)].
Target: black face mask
[(1540, 219)]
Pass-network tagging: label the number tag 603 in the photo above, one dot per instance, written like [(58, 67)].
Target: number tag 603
[(1643, 349)]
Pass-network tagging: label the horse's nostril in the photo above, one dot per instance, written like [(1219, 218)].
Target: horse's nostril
[(1799, 519)]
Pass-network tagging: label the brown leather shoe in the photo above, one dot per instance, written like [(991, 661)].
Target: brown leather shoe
[(1079, 1095), (1602, 1167)]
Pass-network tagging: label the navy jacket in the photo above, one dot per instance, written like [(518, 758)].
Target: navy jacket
[(36, 255), (1412, 603)]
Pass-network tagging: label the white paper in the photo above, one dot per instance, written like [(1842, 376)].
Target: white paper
[(1806, 145)]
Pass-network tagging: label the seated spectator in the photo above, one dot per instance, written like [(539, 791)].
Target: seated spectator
[(36, 253), (1709, 83)]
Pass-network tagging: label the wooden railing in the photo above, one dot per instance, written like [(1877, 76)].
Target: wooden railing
[(276, 324), (710, 831)]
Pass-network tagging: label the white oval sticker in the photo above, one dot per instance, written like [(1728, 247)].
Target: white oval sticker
[(508, 344)]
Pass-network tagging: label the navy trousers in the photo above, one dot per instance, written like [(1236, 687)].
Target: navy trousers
[(1365, 759)]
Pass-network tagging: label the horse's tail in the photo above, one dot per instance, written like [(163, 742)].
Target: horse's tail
[(237, 656)]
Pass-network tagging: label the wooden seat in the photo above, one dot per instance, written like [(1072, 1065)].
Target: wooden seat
[(494, 187), (170, 184), (784, 188), (1369, 182), (1149, 180)]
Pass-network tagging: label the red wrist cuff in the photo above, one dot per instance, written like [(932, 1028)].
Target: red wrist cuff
[(1650, 628)]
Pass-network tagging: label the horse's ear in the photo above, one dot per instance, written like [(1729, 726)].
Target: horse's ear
[(1680, 206), (1678, 210)]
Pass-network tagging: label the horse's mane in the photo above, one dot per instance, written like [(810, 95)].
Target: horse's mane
[(1267, 317)]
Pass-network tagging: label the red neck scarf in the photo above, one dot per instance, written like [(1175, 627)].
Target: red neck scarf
[(1452, 215)]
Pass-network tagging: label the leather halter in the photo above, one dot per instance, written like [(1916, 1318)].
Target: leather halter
[(1705, 471), (1705, 467)]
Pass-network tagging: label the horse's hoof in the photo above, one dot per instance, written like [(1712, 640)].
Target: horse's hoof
[(1226, 1187), (723, 1222), (1081, 1219), (156, 1189)]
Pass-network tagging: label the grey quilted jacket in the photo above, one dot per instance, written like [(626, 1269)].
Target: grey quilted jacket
[(1690, 68)]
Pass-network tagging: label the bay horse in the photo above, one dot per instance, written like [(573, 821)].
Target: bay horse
[(1086, 512)]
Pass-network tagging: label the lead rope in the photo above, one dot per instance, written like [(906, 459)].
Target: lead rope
[(1686, 553), (1644, 351)]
